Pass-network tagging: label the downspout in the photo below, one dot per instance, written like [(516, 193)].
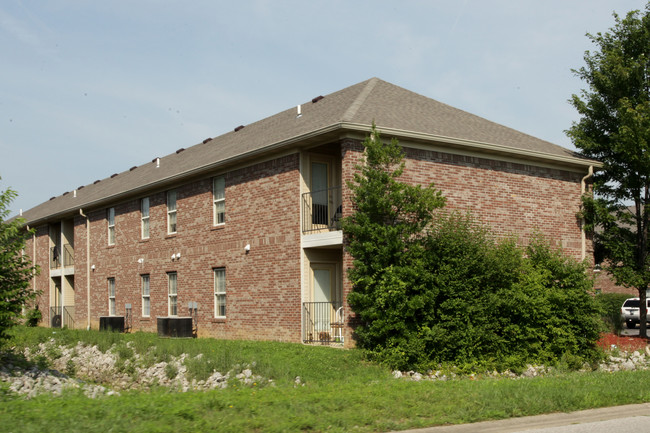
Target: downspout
[(87, 268), (583, 189)]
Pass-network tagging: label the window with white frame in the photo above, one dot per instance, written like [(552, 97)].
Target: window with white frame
[(146, 298), (220, 292), (171, 211), (144, 217), (172, 285), (110, 217), (111, 296), (219, 200)]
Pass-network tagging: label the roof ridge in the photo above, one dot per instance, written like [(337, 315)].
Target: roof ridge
[(360, 99)]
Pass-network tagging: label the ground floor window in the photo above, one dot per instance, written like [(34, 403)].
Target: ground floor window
[(111, 296), (220, 292), (172, 285), (146, 300)]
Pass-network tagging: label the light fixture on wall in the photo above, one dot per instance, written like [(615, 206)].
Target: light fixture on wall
[(247, 248), (141, 260), (92, 267)]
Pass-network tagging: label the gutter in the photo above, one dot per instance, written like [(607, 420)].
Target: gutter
[(583, 189), (87, 267)]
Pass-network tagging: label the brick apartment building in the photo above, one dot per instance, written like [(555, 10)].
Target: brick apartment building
[(241, 231)]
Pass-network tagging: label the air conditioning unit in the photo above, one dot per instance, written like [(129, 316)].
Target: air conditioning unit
[(175, 327), (111, 323)]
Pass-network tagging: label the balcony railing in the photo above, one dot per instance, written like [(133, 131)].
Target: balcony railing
[(68, 255), (321, 210), (62, 316), (323, 322)]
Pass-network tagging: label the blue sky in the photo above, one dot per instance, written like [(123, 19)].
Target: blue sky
[(90, 88)]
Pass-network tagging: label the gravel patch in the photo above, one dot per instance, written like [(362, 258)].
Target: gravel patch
[(51, 369)]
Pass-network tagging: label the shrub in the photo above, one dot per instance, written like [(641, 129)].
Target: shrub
[(609, 306)]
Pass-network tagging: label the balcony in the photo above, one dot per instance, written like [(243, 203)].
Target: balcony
[(321, 210), (62, 317), (68, 255), (323, 322)]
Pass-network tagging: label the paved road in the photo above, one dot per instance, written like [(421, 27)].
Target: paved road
[(622, 419)]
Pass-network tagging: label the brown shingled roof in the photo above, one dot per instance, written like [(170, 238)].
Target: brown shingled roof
[(396, 112)]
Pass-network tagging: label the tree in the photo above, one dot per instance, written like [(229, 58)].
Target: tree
[(16, 269), (431, 286), (614, 128), (384, 237)]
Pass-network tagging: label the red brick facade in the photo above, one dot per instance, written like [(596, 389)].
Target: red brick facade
[(266, 286)]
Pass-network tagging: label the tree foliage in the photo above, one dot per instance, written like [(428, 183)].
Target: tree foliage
[(435, 287), (16, 269), (614, 128)]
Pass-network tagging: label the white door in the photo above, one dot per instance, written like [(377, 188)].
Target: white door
[(324, 289)]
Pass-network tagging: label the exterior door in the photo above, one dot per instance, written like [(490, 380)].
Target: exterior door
[(324, 298)]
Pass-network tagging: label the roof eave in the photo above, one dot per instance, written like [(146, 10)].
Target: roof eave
[(325, 133)]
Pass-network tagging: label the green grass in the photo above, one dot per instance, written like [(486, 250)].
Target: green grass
[(341, 393)]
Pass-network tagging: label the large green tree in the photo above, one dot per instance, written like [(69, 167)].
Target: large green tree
[(16, 269), (614, 128)]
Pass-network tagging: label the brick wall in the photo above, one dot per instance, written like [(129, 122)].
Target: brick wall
[(511, 198), (263, 286)]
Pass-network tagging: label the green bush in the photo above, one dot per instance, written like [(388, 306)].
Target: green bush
[(609, 306), (433, 288)]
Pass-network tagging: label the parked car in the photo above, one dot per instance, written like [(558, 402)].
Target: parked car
[(630, 312)]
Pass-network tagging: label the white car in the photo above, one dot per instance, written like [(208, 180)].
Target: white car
[(630, 312)]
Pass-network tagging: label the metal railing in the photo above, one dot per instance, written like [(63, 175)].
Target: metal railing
[(323, 322), (321, 210), (55, 317), (62, 316), (68, 317), (68, 255)]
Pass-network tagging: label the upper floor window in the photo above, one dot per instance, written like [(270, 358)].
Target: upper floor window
[(146, 298), (220, 292), (111, 296), (171, 211), (219, 199), (144, 217), (172, 293), (110, 217)]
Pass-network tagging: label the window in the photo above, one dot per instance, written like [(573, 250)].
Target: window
[(144, 217), (111, 296), (172, 285), (220, 292), (146, 299), (219, 199), (171, 211), (110, 217)]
